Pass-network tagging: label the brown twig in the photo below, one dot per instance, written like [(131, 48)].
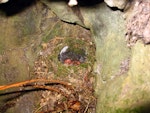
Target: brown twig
[(20, 84), (51, 89)]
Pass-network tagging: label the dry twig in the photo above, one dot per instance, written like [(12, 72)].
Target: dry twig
[(35, 81), (51, 89)]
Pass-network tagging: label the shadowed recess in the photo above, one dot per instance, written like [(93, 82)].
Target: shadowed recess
[(13, 7), (89, 2), (82, 2), (16, 94), (13, 95), (143, 108)]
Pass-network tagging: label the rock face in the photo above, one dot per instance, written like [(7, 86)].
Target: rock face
[(3, 1), (123, 73), (22, 32), (138, 24), (116, 3)]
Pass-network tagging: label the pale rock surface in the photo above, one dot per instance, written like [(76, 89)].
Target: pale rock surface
[(3, 1), (116, 3)]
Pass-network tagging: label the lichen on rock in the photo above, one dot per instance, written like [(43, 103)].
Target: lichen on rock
[(138, 24)]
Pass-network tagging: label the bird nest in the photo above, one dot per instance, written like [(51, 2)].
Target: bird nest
[(70, 60)]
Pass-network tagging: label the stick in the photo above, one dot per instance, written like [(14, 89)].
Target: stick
[(51, 89), (20, 84)]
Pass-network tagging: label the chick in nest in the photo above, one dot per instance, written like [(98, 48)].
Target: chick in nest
[(68, 56)]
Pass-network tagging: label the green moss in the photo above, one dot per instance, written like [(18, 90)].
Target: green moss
[(51, 33)]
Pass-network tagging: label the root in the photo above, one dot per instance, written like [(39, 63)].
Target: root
[(34, 83)]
